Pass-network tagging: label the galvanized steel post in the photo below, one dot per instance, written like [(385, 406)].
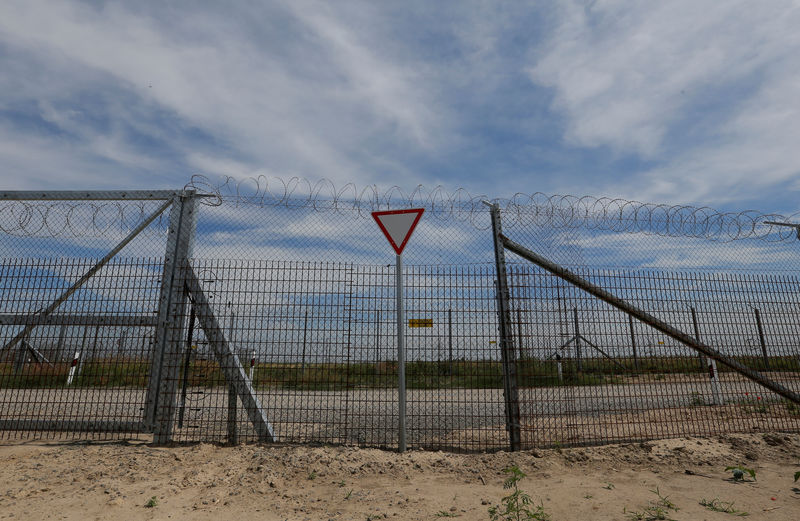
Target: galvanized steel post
[(507, 352), (401, 356)]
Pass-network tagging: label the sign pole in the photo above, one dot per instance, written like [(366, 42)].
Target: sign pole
[(397, 226), (401, 356)]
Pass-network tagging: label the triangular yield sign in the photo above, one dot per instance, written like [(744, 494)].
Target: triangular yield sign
[(398, 225)]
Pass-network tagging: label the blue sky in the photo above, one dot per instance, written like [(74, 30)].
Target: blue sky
[(674, 101)]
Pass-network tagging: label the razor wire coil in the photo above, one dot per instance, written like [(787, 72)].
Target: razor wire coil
[(601, 214)]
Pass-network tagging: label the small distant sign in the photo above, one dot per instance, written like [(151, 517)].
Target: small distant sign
[(420, 322)]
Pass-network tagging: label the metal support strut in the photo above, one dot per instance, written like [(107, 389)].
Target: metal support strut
[(507, 352)]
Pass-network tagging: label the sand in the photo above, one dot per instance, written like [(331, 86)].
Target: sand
[(95, 480)]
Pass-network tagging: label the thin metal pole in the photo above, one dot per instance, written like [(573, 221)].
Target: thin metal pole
[(519, 332), (377, 339), (233, 435), (577, 338), (633, 344), (762, 339), (648, 319), (697, 336), (401, 356), (450, 339), (305, 337), (186, 367)]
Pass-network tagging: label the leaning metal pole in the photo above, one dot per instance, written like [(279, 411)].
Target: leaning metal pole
[(507, 353), (647, 318)]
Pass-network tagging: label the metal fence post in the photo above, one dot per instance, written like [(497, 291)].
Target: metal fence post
[(162, 389), (577, 339), (762, 339), (633, 344), (507, 352), (697, 336)]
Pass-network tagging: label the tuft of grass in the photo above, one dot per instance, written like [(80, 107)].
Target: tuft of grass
[(656, 511), (722, 506), (152, 502)]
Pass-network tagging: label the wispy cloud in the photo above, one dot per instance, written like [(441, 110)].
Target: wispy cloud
[(703, 93)]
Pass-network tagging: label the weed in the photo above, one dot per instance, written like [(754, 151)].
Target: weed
[(797, 475), (349, 493), (152, 502), (518, 505), (444, 513), (739, 471), (588, 496), (696, 399), (655, 511), (722, 506), (340, 483), (313, 475), (609, 486)]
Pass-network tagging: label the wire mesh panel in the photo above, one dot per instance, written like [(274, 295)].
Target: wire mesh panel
[(83, 370), (319, 340), (590, 373)]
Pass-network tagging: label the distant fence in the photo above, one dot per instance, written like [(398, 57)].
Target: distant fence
[(302, 348)]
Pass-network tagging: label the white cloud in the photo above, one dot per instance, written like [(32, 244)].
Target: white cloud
[(301, 101), (706, 91)]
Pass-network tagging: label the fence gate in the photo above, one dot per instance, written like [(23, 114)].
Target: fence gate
[(85, 344), (662, 354)]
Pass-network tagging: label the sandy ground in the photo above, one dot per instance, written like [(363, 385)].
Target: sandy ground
[(57, 480)]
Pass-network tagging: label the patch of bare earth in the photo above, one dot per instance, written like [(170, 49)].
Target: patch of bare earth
[(42, 480)]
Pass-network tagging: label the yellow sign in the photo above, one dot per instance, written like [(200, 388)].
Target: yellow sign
[(420, 322)]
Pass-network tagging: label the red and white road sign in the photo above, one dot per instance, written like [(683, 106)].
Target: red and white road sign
[(398, 225)]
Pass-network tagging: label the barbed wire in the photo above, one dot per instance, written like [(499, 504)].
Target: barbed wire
[(601, 214), (76, 219), (52, 219)]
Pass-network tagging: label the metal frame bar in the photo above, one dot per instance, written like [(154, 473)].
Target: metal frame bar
[(92, 195), (72, 426), (229, 363), (647, 318), (11, 319)]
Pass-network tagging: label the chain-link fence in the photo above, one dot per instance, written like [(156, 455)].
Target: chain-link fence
[(281, 323)]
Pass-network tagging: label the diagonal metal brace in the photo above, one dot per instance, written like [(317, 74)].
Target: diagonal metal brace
[(229, 363)]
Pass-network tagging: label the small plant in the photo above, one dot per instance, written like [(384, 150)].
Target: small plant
[(797, 475), (696, 399), (588, 496), (340, 483), (349, 493), (444, 513), (722, 506), (152, 502), (609, 486), (518, 505), (655, 511), (313, 475), (739, 471)]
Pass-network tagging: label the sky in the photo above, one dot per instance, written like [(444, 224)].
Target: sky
[(680, 101)]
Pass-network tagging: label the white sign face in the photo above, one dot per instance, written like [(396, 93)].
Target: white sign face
[(398, 225)]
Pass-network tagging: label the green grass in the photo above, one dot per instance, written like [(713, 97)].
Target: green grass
[(123, 372)]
